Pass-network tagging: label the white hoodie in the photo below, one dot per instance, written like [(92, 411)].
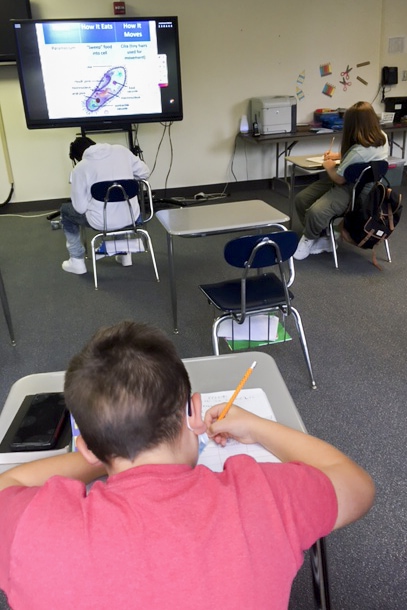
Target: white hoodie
[(105, 162)]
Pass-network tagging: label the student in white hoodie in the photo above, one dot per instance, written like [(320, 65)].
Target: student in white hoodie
[(95, 163)]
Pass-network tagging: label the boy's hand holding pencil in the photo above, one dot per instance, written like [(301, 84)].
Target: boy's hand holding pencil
[(239, 425), (228, 420)]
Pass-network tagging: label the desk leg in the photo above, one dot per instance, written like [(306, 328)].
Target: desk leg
[(292, 195), (173, 286), (6, 310), (319, 569), (393, 143), (277, 160)]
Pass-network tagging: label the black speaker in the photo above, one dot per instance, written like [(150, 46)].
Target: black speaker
[(389, 75)]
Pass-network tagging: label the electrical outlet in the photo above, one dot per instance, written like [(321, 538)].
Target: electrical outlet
[(404, 75)]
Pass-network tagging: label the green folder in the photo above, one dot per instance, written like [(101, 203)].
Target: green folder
[(282, 335)]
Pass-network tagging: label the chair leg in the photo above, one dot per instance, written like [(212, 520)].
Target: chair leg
[(332, 238), (151, 250), (319, 567), (300, 329), (387, 247), (6, 310), (95, 275), (215, 338)]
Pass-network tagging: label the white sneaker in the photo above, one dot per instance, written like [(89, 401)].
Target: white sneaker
[(75, 265), (124, 259), (304, 248), (322, 244)]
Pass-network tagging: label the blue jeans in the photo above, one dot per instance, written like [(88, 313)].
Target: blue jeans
[(71, 222)]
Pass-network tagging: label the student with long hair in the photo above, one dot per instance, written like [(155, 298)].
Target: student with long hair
[(362, 141)]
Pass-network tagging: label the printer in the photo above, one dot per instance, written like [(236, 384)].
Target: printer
[(274, 114)]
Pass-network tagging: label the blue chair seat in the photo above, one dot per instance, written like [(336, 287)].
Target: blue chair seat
[(257, 291), (263, 291)]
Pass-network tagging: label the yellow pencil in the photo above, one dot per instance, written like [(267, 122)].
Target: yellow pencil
[(236, 392), (332, 143)]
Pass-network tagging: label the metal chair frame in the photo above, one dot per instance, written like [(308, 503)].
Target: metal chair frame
[(359, 174), (123, 190), (265, 251)]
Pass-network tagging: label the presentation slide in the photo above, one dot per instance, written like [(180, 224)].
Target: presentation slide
[(109, 68)]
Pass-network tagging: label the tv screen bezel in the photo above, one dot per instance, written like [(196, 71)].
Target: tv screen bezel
[(29, 76)]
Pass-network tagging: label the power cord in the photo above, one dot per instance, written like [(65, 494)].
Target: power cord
[(201, 197), (4, 203), (167, 129)]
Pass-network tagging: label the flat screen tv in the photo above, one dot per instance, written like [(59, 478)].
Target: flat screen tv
[(99, 74), (11, 9)]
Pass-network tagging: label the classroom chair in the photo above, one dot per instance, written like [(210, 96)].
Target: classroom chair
[(133, 238), (257, 293), (359, 175)]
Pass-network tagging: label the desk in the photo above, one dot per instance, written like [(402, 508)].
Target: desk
[(199, 221), (285, 142), (301, 162), (207, 374)]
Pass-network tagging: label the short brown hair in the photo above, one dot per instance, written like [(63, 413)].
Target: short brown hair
[(78, 147), (127, 390), (361, 126)]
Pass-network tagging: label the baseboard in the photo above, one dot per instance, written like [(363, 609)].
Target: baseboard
[(22, 207), (229, 189), (187, 192)]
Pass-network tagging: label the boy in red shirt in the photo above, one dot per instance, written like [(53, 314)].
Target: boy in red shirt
[(161, 532)]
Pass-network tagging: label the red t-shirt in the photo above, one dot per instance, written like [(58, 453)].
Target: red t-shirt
[(164, 537)]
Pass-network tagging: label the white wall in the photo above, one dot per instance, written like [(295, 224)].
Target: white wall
[(230, 51)]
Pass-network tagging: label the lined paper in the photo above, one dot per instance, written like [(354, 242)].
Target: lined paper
[(251, 399)]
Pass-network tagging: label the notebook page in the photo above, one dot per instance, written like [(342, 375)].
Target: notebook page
[(319, 160), (251, 399), (316, 160)]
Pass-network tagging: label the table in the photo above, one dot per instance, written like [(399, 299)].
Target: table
[(199, 221), (285, 142), (207, 374)]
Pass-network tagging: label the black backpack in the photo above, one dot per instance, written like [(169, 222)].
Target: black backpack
[(375, 217)]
